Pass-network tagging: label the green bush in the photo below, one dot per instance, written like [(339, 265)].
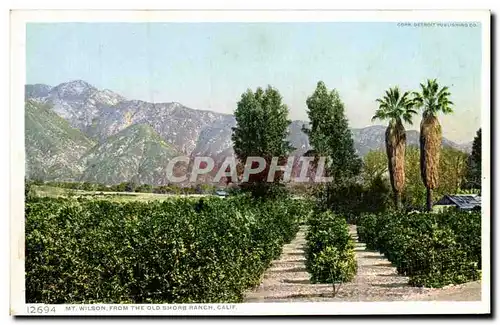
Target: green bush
[(352, 199), (144, 188), (98, 251), (301, 208), (29, 192), (330, 249), (367, 229), (433, 249)]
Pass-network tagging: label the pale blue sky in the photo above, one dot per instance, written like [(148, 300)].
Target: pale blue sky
[(209, 65)]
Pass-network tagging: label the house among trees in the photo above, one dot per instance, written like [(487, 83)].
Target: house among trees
[(460, 201)]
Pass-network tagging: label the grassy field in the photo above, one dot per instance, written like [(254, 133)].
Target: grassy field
[(51, 191)]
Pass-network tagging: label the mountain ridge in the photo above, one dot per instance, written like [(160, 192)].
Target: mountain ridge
[(40, 88), (102, 114)]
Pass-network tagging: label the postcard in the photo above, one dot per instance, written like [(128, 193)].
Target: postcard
[(250, 162)]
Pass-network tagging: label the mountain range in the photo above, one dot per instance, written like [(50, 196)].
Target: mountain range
[(77, 132)]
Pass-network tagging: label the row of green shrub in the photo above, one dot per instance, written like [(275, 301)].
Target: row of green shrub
[(433, 249), (174, 251), (130, 187), (330, 254), (306, 205)]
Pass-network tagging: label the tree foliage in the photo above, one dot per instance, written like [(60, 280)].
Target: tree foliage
[(474, 163), (414, 195), (432, 249), (374, 165), (329, 133), (330, 137), (172, 251), (452, 166), (261, 130), (432, 99), (330, 256), (396, 107)]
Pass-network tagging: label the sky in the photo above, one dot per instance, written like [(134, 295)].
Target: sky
[(209, 65)]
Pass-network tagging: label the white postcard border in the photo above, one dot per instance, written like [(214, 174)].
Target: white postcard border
[(19, 18)]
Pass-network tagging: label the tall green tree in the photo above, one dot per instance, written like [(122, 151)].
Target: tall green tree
[(414, 194), (433, 100), (452, 164), (330, 136), (374, 165), (261, 131), (474, 163), (397, 107)]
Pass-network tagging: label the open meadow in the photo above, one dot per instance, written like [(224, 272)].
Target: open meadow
[(57, 192)]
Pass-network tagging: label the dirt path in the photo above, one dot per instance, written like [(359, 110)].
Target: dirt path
[(470, 291), (287, 280)]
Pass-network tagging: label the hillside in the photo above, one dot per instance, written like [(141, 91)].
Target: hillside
[(53, 148), (136, 153)]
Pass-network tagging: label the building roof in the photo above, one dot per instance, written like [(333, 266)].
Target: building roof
[(463, 201)]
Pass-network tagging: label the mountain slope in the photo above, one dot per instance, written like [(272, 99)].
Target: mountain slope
[(77, 101), (102, 113), (105, 117), (36, 91), (53, 148), (214, 140), (176, 124), (373, 138), (136, 153)]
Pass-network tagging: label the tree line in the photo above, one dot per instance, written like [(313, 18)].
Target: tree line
[(398, 107), (262, 129), (130, 187), (357, 185)]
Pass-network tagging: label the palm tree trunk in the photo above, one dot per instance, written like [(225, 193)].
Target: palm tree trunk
[(395, 141), (397, 201), (429, 199), (430, 150)]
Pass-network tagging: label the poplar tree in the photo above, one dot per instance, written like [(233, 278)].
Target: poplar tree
[(261, 131), (330, 137), (329, 134)]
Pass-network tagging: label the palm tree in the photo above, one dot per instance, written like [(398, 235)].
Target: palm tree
[(396, 108), (432, 100)]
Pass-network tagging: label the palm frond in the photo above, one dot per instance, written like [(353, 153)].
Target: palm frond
[(433, 99), (395, 106)]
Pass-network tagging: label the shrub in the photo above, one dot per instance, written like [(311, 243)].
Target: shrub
[(433, 249), (351, 199), (99, 251), (29, 192), (301, 208), (333, 266), (130, 187), (330, 250), (144, 188)]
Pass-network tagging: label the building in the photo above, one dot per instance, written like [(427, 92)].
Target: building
[(461, 201)]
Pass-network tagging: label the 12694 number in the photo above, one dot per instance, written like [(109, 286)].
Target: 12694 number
[(40, 309)]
